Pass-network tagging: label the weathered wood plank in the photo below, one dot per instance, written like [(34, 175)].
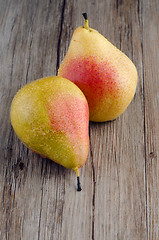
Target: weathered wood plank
[(30, 32), (117, 148), (120, 213), (151, 104)]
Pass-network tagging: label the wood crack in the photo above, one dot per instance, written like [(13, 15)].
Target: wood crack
[(144, 118), (9, 189), (117, 4), (27, 72), (60, 34), (12, 66), (62, 208), (30, 45), (11, 31), (10, 140), (55, 205), (42, 187), (94, 191)]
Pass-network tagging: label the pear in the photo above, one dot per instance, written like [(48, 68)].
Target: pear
[(51, 116), (106, 76)]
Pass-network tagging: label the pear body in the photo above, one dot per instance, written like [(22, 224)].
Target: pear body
[(50, 116), (106, 76)]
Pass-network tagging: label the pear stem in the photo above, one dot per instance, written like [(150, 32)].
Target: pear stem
[(78, 179), (78, 184), (86, 26)]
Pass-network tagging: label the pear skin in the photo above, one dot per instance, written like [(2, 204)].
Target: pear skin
[(106, 76), (51, 116)]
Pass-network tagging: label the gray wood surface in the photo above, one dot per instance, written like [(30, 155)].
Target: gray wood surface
[(120, 180)]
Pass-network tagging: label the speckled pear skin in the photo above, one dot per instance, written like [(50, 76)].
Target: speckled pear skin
[(51, 117), (106, 76)]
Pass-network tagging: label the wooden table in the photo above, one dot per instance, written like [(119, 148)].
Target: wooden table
[(120, 180)]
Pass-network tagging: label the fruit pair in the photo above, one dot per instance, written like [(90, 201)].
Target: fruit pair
[(51, 115)]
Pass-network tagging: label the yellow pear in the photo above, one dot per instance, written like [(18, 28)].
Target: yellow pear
[(106, 76), (51, 116)]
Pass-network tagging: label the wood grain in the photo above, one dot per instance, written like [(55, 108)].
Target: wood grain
[(120, 180)]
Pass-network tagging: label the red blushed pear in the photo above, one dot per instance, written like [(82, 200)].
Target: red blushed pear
[(51, 116), (106, 76)]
